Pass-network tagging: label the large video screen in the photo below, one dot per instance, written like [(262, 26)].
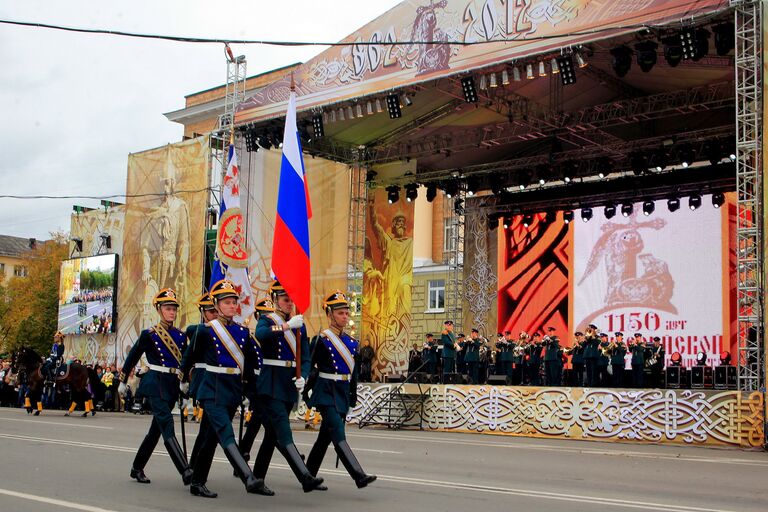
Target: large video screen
[(87, 290)]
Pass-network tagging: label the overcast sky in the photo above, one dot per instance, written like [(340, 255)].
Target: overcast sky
[(75, 105)]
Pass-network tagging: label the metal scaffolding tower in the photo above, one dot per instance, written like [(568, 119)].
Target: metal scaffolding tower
[(453, 256), (358, 200), (749, 165)]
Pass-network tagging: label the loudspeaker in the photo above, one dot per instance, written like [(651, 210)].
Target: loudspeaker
[(497, 380), (452, 378), (701, 377), (673, 377), (394, 378), (420, 378), (721, 377)]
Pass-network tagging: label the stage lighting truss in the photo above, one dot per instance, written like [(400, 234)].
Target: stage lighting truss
[(567, 71), (393, 106), (622, 60), (648, 207), (468, 87), (646, 55)]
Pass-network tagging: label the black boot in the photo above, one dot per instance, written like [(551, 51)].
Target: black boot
[(201, 490), (139, 475), (316, 456), (308, 481), (177, 456), (252, 484), (352, 465)]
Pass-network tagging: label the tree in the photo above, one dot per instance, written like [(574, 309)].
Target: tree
[(30, 310)]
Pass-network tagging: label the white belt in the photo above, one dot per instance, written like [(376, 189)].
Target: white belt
[(335, 376), (163, 369), (200, 365), (279, 362), (222, 369)]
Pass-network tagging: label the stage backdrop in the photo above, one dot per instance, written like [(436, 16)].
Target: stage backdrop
[(328, 229), (669, 274), (164, 235), (388, 281)]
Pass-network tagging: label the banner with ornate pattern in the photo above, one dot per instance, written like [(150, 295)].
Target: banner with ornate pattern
[(724, 418)]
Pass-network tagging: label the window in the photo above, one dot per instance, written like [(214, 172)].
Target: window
[(2, 269), (19, 271), (449, 235), (436, 295)]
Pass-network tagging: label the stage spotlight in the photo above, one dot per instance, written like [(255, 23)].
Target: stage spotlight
[(694, 202), (393, 194), (718, 199), (411, 192), (603, 167), (627, 209), (468, 87), (542, 69), (527, 220), (471, 186), (688, 41), (548, 217), (648, 207), (379, 109), (431, 192), (407, 100), (725, 38), (622, 60), (317, 126), (516, 74), (646, 55), (568, 171), (342, 116), (586, 214), (676, 359), (610, 211), (685, 154), (673, 50), (451, 189), (659, 160), (702, 44), (554, 66), (725, 358), (504, 77), (350, 113), (673, 204), (567, 71), (701, 358), (568, 216), (529, 72), (483, 83), (371, 176), (492, 81), (582, 63), (359, 110), (393, 106), (639, 163)]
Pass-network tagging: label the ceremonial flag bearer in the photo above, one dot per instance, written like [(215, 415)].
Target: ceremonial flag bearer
[(333, 386), (162, 345)]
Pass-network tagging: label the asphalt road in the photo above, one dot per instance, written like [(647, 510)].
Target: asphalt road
[(54, 463)]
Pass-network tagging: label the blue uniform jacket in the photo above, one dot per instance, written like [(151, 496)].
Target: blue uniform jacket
[(338, 394), (154, 383), (196, 375), (226, 389), (275, 381)]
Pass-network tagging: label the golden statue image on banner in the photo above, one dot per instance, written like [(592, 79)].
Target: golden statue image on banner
[(388, 282)]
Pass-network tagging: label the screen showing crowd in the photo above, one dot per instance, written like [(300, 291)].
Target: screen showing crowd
[(86, 295)]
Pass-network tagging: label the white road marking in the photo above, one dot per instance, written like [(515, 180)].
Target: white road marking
[(531, 493), (52, 501), (43, 422), (372, 450)]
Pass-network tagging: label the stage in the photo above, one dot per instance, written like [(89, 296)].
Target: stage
[(689, 417)]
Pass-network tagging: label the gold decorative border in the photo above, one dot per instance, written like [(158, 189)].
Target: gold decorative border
[(731, 418)]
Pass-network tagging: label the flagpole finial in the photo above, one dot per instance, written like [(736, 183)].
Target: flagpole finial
[(293, 83)]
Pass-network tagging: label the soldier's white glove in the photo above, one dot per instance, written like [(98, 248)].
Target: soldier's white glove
[(122, 389), (295, 322), (299, 383), (184, 387)]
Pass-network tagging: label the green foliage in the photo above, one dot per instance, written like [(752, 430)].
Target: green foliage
[(96, 279)]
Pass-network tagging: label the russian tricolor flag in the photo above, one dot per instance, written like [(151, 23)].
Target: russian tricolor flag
[(290, 246)]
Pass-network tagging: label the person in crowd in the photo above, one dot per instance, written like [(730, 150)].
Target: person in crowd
[(637, 347), (448, 340), (367, 356)]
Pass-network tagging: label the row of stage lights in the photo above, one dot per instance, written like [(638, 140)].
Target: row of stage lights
[(610, 210)]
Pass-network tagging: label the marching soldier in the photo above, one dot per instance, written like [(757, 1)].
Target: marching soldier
[(333, 386), (638, 360), (448, 340), (284, 341), (208, 311), (472, 356), (162, 345), (54, 359), (257, 419), (228, 350)]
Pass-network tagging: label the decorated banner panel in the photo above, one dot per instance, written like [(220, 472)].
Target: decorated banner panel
[(534, 265), (388, 281), (94, 349), (165, 216), (664, 274), (94, 226), (508, 29), (328, 228)]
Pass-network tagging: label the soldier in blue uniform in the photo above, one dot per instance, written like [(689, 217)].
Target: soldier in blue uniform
[(257, 418), (448, 340), (54, 359), (282, 337), (162, 345), (209, 313), (333, 386), (228, 351)]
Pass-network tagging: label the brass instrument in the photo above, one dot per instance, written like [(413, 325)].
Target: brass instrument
[(519, 349), (654, 358)]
